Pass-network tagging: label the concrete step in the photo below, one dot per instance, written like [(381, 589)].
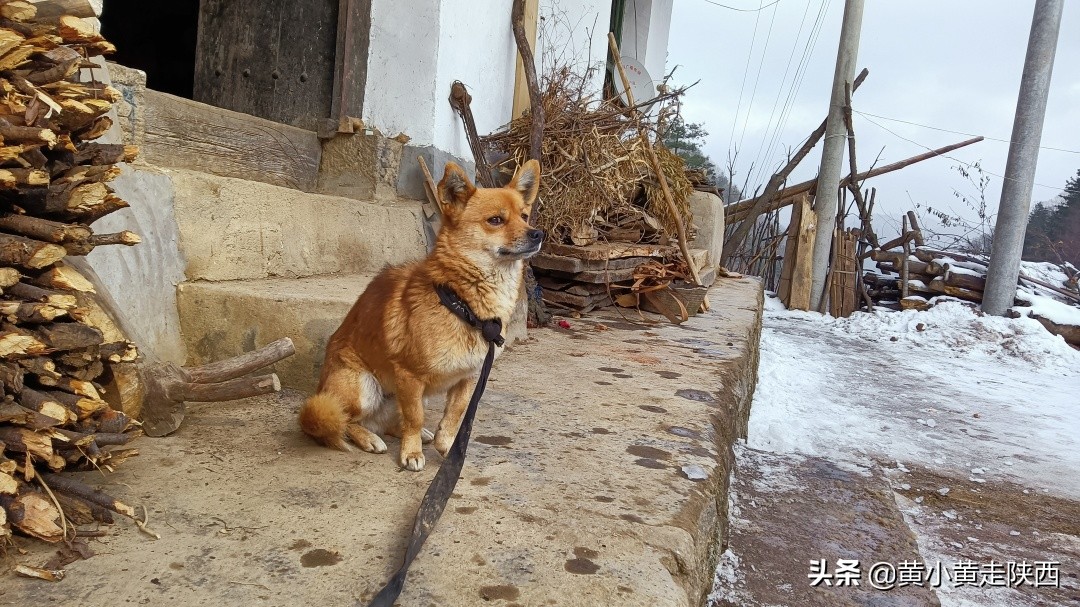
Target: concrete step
[(223, 319), (219, 320), (233, 229), (789, 510)]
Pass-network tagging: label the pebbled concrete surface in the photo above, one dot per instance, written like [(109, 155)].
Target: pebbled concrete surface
[(599, 458)]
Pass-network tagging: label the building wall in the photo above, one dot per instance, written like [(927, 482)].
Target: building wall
[(418, 48), (402, 62), (646, 25), (574, 33), (476, 46)]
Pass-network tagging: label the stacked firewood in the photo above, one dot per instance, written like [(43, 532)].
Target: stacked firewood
[(919, 280), (58, 346)]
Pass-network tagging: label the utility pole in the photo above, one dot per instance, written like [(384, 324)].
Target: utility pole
[(1015, 203), (832, 154)]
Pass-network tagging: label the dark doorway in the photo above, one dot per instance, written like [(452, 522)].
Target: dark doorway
[(157, 37)]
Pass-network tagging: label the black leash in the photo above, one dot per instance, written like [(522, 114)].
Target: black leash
[(438, 493)]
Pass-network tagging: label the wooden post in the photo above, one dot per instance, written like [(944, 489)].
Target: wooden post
[(522, 100), (799, 298), (904, 261)]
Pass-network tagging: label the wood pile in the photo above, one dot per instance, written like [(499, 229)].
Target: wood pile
[(59, 349), (583, 278), (929, 273)]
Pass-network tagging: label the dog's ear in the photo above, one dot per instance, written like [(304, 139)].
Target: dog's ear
[(527, 181), (455, 189)]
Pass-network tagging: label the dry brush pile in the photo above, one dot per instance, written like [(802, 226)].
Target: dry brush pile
[(596, 182), (58, 347)]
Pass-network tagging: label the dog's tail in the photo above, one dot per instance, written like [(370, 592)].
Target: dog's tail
[(323, 418)]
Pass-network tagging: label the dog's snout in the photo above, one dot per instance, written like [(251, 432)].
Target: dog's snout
[(536, 235)]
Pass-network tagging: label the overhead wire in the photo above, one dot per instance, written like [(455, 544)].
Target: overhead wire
[(935, 128), (746, 72), (953, 158)]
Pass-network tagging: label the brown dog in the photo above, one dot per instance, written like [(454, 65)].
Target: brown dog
[(398, 339)]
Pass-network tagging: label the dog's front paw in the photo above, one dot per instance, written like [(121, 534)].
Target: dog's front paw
[(413, 461), (443, 442)]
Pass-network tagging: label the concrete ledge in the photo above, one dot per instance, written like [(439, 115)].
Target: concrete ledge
[(597, 476), (223, 319), (232, 229)]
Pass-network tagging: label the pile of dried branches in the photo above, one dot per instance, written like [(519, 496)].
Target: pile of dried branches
[(596, 182)]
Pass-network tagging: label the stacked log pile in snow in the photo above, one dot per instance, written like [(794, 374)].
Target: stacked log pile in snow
[(58, 347), (919, 280)]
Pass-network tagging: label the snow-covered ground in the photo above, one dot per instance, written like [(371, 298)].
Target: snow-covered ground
[(947, 387), (941, 398)]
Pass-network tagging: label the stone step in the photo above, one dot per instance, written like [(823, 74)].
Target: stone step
[(233, 229), (223, 319), (219, 320), (789, 510)]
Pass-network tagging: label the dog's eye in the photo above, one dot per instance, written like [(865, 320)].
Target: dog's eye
[(525, 216), (496, 220)]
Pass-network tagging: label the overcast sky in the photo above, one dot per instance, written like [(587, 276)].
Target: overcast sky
[(952, 65)]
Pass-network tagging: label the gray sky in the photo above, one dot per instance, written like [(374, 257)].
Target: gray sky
[(952, 64)]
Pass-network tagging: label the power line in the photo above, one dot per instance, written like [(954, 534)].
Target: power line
[(954, 159), (800, 75), (935, 128), (746, 71), (743, 10), (757, 78)]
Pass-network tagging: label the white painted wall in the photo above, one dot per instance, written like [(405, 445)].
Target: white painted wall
[(574, 33), (476, 46), (402, 61)]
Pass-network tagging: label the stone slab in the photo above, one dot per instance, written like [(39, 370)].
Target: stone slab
[(599, 456), (787, 510), (232, 229)]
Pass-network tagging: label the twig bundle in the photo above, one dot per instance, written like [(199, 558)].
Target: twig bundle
[(595, 170)]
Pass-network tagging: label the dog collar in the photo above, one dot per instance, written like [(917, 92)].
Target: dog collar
[(490, 329)]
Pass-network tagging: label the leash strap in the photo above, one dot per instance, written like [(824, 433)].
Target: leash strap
[(438, 493)]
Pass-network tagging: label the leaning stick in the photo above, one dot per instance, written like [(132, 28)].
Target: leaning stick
[(242, 365), (654, 161)]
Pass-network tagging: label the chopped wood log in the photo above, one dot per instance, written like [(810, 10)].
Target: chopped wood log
[(242, 365), (44, 229), (28, 253), (11, 377), (24, 312), (8, 484), (82, 512), (13, 343), (28, 292), (44, 404), (18, 10), (70, 486), (105, 153), (964, 280), (11, 179), (68, 336), (22, 440), (80, 405), (39, 365), (9, 277), (33, 514), (62, 277), (120, 238), (242, 387), (938, 286)]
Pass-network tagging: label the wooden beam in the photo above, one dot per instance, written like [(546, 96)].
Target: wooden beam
[(189, 135), (738, 211), (521, 86)]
